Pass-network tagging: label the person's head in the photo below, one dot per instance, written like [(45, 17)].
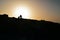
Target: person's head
[(20, 17)]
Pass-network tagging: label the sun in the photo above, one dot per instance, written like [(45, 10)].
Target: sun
[(22, 11)]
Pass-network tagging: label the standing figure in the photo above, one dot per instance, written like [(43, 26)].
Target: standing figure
[(20, 17)]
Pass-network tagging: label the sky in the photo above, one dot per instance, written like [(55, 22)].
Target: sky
[(39, 9)]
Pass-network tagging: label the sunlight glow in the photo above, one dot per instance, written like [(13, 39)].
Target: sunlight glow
[(22, 11)]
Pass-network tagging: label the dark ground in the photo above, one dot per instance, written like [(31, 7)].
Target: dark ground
[(27, 29)]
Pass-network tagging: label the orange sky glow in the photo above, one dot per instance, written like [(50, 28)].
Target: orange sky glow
[(46, 10)]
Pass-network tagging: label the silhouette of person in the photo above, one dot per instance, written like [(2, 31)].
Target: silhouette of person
[(20, 17)]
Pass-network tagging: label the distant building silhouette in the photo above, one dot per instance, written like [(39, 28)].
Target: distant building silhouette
[(20, 17)]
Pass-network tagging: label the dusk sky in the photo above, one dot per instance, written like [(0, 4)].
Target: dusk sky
[(32, 9)]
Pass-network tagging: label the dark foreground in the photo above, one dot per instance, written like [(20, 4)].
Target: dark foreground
[(26, 29)]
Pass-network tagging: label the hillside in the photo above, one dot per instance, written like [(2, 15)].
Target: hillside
[(27, 29)]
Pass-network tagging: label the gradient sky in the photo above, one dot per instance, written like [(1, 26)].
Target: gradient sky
[(40, 9)]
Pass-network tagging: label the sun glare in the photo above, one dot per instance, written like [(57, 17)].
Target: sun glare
[(22, 11)]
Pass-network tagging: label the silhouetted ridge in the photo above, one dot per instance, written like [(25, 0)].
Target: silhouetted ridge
[(27, 29)]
